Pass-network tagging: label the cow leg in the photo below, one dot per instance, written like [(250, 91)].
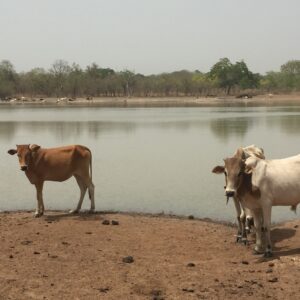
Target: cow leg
[(249, 223), (257, 218), (91, 188), (40, 203), (267, 209), (83, 189), (243, 222), (238, 213), (88, 182)]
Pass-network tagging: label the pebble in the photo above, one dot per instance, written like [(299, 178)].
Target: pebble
[(269, 270), (190, 265), (157, 295), (27, 242), (188, 290), (271, 264), (113, 222), (106, 222), (245, 262), (36, 252), (103, 290), (274, 279), (128, 259)]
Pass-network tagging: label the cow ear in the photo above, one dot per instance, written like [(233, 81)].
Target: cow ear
[(218, 170), (240, 153), (34, 147), (250, 164), (12, 151)]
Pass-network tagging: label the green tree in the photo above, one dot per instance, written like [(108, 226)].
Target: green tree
[(291, 74), (8, 79), (229, 75), (35, 83)]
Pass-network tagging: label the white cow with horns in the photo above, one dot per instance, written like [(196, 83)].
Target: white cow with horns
[(278, 182)]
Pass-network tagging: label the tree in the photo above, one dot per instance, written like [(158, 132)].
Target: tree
[(8, 79), (202, 83), (222, 71), (291, 74), (35, 82), (229, 75), (74, 79), (128, 81), (291, 67), (60, 70)]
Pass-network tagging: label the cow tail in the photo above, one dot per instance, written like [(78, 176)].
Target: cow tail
[(91, 172)]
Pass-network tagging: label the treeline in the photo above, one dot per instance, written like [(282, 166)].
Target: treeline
[(224, 78)]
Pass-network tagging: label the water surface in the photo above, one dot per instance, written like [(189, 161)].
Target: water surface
[(145, 159)]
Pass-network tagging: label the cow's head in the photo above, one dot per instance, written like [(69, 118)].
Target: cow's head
[(24, 153), (233, 169)]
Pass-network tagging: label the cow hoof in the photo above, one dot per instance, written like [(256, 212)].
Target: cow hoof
[(268, 254), (91, 211), (239, 239), (258, 251), (37, 215), (245, 241), (74, 211)]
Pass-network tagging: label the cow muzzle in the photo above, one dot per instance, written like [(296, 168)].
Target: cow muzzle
[(24, 168), (229, 194)]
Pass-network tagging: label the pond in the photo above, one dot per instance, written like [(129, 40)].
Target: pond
[(145, 159)]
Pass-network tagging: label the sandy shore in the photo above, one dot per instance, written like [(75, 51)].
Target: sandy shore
[(261, 100), (60, 256)]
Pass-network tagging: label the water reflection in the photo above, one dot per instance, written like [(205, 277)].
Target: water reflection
[(289, 124), (93, 129), (63, 130), (228, 127)]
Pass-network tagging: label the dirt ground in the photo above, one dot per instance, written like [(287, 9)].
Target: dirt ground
[(62, 256)]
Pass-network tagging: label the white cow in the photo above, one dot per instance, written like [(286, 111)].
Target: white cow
[(278, 182)]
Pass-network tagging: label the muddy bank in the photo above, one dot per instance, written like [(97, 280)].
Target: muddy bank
[(261, 100), (60, 256)]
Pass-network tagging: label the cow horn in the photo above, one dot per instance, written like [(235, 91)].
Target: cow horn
[(34, 147)]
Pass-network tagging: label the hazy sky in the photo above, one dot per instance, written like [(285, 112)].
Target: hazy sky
[(150, 36)]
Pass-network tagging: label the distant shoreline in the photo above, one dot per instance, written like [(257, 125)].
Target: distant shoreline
[(262, 100)]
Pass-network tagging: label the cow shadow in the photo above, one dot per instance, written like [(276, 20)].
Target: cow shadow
[(280, 234), (56, 216)]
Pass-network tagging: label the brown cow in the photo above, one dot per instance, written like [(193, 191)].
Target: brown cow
[(56, 164), (239, 187), (244, 214)]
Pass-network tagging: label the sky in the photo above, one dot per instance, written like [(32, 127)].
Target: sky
[(150, 36)]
